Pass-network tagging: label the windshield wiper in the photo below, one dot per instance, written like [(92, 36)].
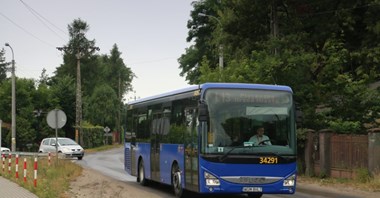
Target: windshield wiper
[(223, 157)]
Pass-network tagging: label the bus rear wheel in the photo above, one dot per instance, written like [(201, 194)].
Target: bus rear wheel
[(141, 175), (177, 181)]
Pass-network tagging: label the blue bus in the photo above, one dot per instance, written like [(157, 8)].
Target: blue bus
[(200, 139)]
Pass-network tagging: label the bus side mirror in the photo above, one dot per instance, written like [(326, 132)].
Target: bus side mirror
[(202, 112)]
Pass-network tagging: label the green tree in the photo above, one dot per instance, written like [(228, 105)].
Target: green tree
[(63, 97), (116, 74), (5, 109), (103, 106), (80, 47), (3, 67), (327, 51), (44, 78), (205, 33), (96, 71), (25, 133), (42, 98), (105, 79)]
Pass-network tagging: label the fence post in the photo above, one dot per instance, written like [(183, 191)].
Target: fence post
[(325, 151), (35, 171), (374, 150), (16, 166), (3, 159), (24, 169), (309, 149), (9, 163)]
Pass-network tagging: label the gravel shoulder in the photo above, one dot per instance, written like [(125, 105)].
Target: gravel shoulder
[(92, 184)]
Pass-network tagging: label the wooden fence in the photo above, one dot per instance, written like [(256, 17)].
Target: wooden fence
[(338, 155)]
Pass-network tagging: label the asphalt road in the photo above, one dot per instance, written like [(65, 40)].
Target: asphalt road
[(110, 163)]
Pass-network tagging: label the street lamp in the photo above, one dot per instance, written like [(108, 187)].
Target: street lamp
[(220, 45), (13, 101)]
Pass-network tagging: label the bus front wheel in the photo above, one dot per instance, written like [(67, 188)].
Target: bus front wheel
[(176, 181), (141, 176)]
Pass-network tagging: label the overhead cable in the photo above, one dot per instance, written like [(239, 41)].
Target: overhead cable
[(26, 31), (40, 17)]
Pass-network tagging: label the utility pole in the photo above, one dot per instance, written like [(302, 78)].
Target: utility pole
[(119, 110), (80, 52), (13, 148), (78, 102)]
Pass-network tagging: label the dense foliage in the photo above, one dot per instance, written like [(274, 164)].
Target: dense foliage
[(327, 51), (3, 66), (105, 80)]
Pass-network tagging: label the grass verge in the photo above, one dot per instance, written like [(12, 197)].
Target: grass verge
[(370, 184), (52, 180)]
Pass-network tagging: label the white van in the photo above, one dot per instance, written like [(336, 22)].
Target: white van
[(66, 146)]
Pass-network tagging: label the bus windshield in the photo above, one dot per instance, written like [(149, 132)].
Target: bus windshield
[(246, 122)]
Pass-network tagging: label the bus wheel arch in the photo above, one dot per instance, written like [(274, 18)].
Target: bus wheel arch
[(176, 180), (141, 172)]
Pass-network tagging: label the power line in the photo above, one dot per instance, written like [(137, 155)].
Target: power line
[(26, 31), (39, 17)]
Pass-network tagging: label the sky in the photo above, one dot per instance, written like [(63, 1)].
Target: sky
[(150, 34)]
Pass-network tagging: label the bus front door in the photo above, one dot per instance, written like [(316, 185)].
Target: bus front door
[(155, 148), (191, 150)]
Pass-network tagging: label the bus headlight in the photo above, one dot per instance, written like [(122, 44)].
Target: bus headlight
[(211, 180), (290, 181)]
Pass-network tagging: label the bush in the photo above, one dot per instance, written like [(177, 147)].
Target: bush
[(301, 143), (363, 175), (346, 127), (93, 137)]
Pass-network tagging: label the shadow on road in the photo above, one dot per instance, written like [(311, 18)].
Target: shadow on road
[(166, 189)]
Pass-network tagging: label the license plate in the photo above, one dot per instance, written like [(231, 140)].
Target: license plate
[(252, 189)]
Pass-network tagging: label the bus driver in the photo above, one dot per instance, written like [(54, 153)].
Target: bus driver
[(260, 138)]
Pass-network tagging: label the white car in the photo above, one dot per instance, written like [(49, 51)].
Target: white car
[(5, 151), (66, 146)]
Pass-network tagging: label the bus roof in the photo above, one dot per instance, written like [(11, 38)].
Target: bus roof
[(216, 85)]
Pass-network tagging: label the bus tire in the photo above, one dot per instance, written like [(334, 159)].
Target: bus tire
[(255, 195), (177, 181), (141, 175)]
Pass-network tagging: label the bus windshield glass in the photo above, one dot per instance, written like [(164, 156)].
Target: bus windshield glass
[(246, 122)]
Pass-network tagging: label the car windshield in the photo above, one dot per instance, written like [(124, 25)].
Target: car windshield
[(243, 121), (64, 142)]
